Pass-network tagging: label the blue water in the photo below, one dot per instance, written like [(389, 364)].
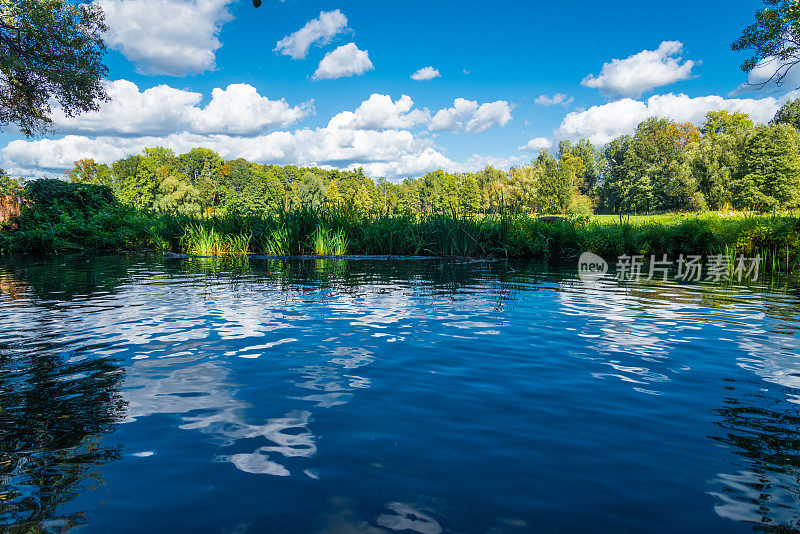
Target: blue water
[(142, 394)]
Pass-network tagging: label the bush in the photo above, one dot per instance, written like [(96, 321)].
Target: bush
[(61, 216), (581, 205)]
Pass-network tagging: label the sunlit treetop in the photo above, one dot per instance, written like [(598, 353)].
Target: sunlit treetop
[(50, 50), (773, 38), (788, 114)]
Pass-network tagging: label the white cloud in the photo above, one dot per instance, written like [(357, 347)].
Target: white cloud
[(641, 72), (555, 100), (412, 164), (172, 37), (537, 144), (467, 115), (380, 113), (154, 111), (477, 162), (237, 110), (320, 30), (376, 135), (347, 60), (430, 159), (425, 73), (240, 110), (601, 124)]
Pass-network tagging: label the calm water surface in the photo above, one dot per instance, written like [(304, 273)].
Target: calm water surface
[(142, 394)]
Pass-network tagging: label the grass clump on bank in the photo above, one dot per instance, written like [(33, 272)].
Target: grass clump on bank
[(204, 240), (64, 217)]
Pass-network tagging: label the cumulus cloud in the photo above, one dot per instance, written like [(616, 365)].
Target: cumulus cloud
[(26, 157), (376, 135), (641, 72), (347, 60), (469, 116), (431, 159), (601, 124), (410, 164), (172, 37), (130, 111), (555, 100), (397, 150), (240, 110), (425, 73), (537, 144), (236, 110), (380, 113), (319, 30)]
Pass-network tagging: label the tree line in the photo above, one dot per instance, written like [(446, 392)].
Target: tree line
[(728, 162), (200, 181)]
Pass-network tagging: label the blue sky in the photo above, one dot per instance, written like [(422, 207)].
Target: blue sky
[(505, 59)]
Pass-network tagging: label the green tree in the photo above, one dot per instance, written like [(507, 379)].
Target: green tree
[(555, 182), (520, 191), (334, 197), (715, 159), (470, 194), (199, 163), (9, 185), (363, 200), (199, 166), (410, 201), (384, 201), (276, 195), (175, 194), (429, 191), (615, 193), (726, 123), (593, 167), (492, 184), (445, 187), (770, 175), (772, 39), (653, 171), (88, 171), (788, 114), (141, 187), (50, 50), (310, 190)]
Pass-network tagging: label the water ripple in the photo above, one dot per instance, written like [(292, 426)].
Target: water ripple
[(439, 396)]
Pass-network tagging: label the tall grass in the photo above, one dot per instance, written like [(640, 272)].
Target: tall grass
[(325, 242), (204, 240), (277, 243), (343, 231)]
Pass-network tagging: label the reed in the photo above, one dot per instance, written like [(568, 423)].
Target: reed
[(277, 243), (205, 240), (339, 243), (325, 242)]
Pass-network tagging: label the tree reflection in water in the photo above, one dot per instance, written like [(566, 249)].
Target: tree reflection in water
[(55, 406), (53, 412)]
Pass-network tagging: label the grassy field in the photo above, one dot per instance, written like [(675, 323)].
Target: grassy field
[(677, 218)]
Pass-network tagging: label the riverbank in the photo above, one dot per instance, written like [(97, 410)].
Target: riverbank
[(76, 217)]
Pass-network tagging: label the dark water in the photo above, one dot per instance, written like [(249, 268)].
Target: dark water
[(150, 395)]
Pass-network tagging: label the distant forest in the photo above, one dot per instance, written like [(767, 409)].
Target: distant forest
[(729, 162)]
